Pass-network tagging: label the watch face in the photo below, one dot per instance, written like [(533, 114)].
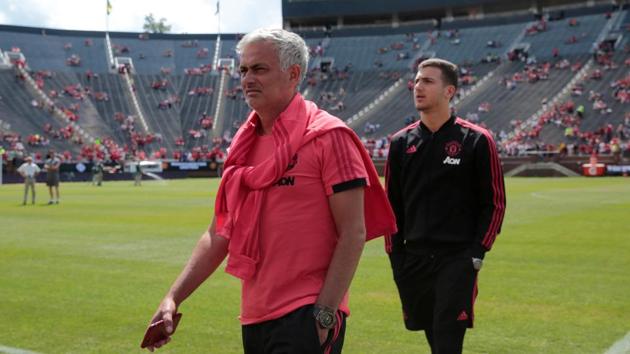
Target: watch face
[(477, 263), (326, 319)]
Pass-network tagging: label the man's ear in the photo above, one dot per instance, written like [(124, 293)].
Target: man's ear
[(294, 73), (450, 92)]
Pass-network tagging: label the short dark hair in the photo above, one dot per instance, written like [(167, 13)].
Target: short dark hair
[(448, 69)]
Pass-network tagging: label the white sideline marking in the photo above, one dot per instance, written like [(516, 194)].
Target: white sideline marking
[(621, 346), (541, 196), (611, 202), (9, 350)]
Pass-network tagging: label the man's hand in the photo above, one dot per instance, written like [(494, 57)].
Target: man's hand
[(165, 312), (322, 333), (210, 251)]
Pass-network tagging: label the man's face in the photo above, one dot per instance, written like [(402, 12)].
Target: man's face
[(265, 86), (430, 91)]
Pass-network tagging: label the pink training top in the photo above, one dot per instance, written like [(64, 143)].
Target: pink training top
[(297, 231)]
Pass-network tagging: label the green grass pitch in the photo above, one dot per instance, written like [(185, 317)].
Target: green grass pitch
[(85, 276)]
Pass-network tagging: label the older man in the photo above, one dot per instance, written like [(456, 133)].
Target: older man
[(289, 211), (29, 170)]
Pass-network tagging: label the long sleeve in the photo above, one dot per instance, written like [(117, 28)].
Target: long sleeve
[(491, 194), (393, 182)]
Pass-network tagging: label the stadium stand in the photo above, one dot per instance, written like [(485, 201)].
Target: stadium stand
[(569, 39), (118, 103), (472, 45), (162, 106), (27, 120), (515, 70)]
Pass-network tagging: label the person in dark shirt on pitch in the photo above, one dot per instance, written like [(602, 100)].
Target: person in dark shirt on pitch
[(51, 165), (445, 184)]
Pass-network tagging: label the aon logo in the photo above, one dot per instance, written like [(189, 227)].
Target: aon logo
[(450, 161)]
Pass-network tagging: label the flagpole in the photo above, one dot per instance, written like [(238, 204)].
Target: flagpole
[(107, 16), (218, 44), (108, 48)]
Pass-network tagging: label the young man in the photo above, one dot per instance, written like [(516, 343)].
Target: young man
[(289, 211), (51, 165), (446, 187), (29, 170)]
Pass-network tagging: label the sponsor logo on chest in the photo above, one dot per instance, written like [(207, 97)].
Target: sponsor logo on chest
[(450, 161), (288, 180), (285, 181)]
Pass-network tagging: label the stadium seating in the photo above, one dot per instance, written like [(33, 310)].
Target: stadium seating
[(471, 45), (349, 74), (559, 33), (118, 102), (517, 104), (49, 52), (594, 119), (25, 119)]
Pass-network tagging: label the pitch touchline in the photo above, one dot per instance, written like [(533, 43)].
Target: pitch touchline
[(10, 350), (621, 346), (541, 196)]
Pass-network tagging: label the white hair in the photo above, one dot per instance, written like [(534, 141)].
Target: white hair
[(291, 47)]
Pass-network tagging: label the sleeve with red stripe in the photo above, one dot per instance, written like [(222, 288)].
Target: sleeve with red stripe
[(393, 186), (491, 194)]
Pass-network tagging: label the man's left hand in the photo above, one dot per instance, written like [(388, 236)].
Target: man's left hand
[(323, 334)]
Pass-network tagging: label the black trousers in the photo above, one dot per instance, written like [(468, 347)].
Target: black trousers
[(437, 291), (294, 333)]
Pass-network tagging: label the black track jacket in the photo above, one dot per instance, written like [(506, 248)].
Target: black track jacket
[(446, 188)]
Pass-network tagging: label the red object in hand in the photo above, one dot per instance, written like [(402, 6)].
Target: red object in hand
[(157, 332)]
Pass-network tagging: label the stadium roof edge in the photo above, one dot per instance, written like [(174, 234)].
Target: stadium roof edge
[(292, 9), (456, 23), (78, 33)]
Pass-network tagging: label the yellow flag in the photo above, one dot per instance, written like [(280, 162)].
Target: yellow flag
[(109, 8)]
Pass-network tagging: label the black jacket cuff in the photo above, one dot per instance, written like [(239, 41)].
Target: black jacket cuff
[(478, 251)]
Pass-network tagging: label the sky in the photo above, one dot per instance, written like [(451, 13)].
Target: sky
[(185, 16)]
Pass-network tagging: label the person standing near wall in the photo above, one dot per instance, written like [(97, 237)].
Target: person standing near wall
[(51, 165), (29, 171)]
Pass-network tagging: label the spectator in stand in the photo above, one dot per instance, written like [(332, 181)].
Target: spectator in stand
[(29, 171), (596, 75), (484, 107), (580, 111), (601, 106), (52, 165), (577, 90)]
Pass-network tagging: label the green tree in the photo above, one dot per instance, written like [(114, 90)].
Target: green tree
[(153, 26)]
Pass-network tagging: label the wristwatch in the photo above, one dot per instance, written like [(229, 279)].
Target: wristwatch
[(324, 316), (477, 263)]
